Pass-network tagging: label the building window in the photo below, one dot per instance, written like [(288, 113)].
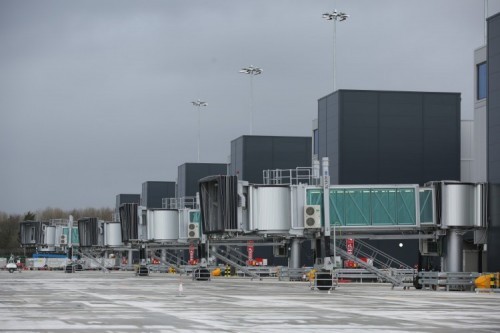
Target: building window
[(316, 142), (482, 81)]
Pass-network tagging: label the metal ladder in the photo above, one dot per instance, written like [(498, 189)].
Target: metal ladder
[(232, 261)]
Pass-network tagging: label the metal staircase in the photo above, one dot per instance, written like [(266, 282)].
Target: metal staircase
[(168, 262), (235, 254), (232, 260), (385, 267), (93, 258), (380, 258), (382, 274)]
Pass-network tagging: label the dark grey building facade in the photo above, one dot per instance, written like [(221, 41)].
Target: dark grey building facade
[(251, 155), (188, 175), (493, 142), (390, 137), (154, 191), (126, 198)]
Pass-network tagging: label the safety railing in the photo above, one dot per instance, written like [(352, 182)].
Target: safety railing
[(179, 203), (299, 175), (458, 281), (293, 274)]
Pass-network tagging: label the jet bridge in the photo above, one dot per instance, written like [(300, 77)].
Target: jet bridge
[(438, 211)]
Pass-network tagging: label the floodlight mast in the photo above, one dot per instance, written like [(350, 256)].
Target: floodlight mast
[(335, 16), (252, 71), (199, 104)]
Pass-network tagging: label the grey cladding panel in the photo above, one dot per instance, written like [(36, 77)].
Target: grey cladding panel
[(232, 163), (493, 252), (153, 192), (236, 168), (197, 171), (257, 156), (290, 152), (493, 106), (358, 138), (441, 137), (400, 155), (181, 181), (393, 137)]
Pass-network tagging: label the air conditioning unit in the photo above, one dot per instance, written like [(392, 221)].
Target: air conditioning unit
[(193, 230), (63, 240), (429, 247), (312, 216)]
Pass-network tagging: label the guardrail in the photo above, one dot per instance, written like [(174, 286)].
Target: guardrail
[(292, 274), (459, 281), (261, 271)]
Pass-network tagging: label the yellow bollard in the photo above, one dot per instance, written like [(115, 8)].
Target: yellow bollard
[(484, 281), (216, 272)]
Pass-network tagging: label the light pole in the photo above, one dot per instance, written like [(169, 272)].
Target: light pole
[(335, 16), (252, 71), (199, 104)]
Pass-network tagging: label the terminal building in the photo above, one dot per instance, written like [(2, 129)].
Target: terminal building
[(390, 137)]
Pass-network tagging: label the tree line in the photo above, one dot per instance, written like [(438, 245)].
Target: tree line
[(9, 224)]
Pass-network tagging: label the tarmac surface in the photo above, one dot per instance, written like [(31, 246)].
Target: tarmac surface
[(92, 301)]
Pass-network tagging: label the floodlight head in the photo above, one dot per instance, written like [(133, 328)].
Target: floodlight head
[(251, 70), (199, 103), (335, 15)]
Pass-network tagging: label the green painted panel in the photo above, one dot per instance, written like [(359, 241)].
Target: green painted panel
[(75, 238), (314, 197), (357, 207), (337, 207), (194, 216), (406, 207), (426, 213), (384, 210)]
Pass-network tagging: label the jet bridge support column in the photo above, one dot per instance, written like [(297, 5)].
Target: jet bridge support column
[(454, 251), (294, 253), (163, 255)]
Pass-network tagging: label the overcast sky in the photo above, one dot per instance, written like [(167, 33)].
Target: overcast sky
[(95, 95)]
